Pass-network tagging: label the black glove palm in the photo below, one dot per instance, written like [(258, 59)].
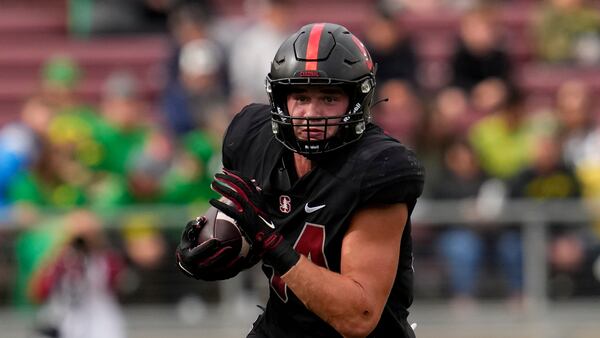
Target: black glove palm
[(210, 260)]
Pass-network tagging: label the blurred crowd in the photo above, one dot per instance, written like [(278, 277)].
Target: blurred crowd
[(66, 163)]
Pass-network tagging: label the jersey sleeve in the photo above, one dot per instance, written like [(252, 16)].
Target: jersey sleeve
[(393, 176), (242, 131)]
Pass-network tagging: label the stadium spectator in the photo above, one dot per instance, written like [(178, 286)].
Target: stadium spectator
[(154, 14), (549, 178), (200, 96), (197, 99), (452, 115), (61, 77), (194, 164), (67, 269), (580, 133), (123, 126), (74, 122), (461, 247), (187, 21), (503, 140), (56, 179), (103, 144), (391, 48), (448, 118), (252, 51), (109, 17), (469, 250), (428, 6), (565, 30), (576, 121), (146, 165), (20, 145), (402, 116), (480, 64), (99, 17)]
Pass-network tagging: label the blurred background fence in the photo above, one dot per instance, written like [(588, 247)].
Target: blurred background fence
[(159, 301)]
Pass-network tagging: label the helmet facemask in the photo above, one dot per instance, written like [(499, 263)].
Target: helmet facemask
[(350, 125)]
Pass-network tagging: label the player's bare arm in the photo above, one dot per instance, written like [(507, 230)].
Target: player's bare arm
[(352, 301)]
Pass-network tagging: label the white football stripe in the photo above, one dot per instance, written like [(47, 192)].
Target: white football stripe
[(245, 245), (221, 215)]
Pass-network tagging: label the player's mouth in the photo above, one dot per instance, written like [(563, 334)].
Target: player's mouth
[(312, 133)]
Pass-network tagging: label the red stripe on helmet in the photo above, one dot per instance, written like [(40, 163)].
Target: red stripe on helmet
[(364, 52), (312, 49)]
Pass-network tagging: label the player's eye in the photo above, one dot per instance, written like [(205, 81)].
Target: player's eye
[(330, 99), (301, 98)]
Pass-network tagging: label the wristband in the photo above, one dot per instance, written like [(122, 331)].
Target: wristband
[(282, 258)]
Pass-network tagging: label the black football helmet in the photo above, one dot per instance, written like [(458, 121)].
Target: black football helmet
[(321, 54)]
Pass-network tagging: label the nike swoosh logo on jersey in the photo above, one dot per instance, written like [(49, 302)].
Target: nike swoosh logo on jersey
[(269, 224), (310, 210)]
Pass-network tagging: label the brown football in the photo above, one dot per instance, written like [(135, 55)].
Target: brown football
[(223, 228)]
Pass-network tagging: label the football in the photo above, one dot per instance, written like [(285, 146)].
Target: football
[(223, 228)]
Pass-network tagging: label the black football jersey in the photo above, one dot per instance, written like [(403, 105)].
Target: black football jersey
[(315, 211)]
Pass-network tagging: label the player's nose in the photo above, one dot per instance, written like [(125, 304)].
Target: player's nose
[(313, 109)]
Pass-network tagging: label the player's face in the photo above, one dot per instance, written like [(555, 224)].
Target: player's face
[(323, 105)]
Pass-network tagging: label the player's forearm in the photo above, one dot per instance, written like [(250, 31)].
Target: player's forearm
[(337, 299)]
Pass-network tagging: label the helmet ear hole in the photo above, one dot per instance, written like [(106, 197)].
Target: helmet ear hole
[(360, 128), (365, 86)]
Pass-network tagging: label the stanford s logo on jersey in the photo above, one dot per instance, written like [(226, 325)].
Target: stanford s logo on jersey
[(285, 204)]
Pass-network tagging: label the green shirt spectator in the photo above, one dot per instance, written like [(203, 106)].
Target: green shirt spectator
[(502, 151), (188, 180), (503, 140), (560, 25), (33, 247), (77, 127), (30, 188), (116, 146)]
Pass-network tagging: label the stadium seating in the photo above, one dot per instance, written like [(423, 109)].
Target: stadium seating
[(30, 32)]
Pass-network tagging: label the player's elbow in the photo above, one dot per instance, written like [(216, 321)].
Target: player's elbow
[(359, 324)]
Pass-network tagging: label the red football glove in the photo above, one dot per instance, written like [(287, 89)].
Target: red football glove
[(249, 211)]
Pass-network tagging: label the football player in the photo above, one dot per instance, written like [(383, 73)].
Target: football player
[(322, 194)]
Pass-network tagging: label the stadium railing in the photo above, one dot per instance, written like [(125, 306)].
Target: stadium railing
[(534, 217)]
